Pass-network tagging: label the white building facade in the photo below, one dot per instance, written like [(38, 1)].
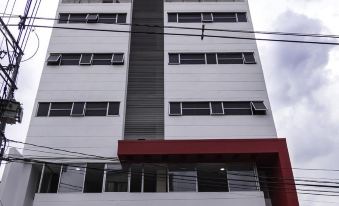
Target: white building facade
[(152, 102)]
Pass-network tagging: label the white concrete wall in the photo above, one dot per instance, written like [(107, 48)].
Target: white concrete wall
[(214, 82), (91, 135), (151, 199), (18, 183)]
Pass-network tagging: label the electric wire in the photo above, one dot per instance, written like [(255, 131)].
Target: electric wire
[(239, 186), (183, 34), (115, 158), (279, 33), (37, 49), (61, 150)]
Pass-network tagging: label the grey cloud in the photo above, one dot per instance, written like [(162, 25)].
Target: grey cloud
[(299, 68)]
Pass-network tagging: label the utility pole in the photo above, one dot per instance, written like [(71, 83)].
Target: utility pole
[(11, 54)]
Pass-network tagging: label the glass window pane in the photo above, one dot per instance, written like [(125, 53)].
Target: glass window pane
[(155, 178), (237, 105), (86, 59), (242, 177), (259, 108), (94, 178), (211, 58), (102, 59), (116, 178), (113, 108), (70, 59), (63, 18), (92, 18), (43, 109), (118, 59), (96, 109), (173, 58), (107, 18), (207, 17), (50, 178), (196, 105), (172, 17), (224, 17), (77, 18), (72, 178), (196, 112), (78, 109), (175, 108), (249, 58), (212, 178), (242, 17), (189, 17), (121, 18), (136, 178), (182, 179), (192, 59), (217, 108), (54, 59), (61, 105), (96, 105)]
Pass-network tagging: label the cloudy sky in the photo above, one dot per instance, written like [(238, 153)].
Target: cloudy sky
[(302, 81)]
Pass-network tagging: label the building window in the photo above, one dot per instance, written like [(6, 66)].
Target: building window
[(50, 178), (230, 58), (72, 178), (148, 177), (70, 59), (94, 177), (59, 109), (212, 58), (77, 109), (174, 59), (118, 59), (212, 178), (189, 17), (192, 58), (182, 178), (195, 108), (136, 178), (175, 109), (242, 177), (77, 18), (102, 59), (116, 178), (196, 17), (54, 59), (82, 18), (217, 108), (237, 108), (85, 59), (258, 108), (96, 109), (43, 109)]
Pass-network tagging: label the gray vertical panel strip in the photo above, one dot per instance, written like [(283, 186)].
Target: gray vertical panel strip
[(145, 91)]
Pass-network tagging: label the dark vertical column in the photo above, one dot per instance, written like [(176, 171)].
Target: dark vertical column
[(145, 91)]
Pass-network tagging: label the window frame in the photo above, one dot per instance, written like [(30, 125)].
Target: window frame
[(87, 64), (55, 62), (51, 105)]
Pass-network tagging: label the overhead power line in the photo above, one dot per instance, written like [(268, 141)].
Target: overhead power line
[(188, 179), (183, 34), (279, 33)]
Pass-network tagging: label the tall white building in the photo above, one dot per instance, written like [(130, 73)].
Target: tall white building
[(144, 111)]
